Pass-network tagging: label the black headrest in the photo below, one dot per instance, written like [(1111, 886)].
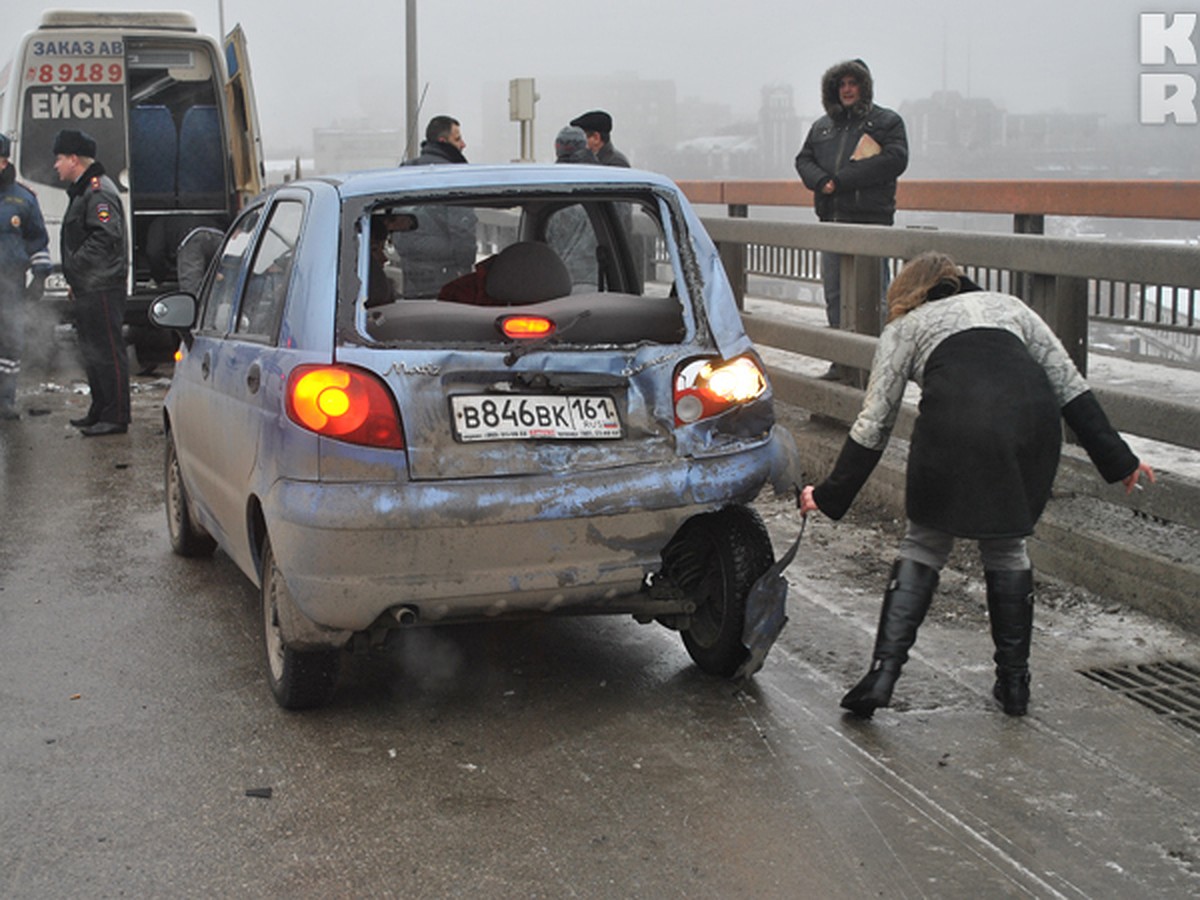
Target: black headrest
[(527, 272)]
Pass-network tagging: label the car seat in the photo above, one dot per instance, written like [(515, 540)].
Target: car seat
[(153, 156), (201, 159)]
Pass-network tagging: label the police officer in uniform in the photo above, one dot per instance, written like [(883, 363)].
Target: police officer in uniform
[(95, 265), (24, 246)]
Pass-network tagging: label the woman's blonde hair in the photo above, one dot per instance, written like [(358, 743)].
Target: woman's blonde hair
[(919, 277)]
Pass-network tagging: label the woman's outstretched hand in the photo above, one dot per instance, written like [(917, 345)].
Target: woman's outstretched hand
[(807, 504), (1131, 480)]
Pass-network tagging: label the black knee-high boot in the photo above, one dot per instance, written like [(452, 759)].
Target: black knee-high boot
[(909, 593), (1010, 608)]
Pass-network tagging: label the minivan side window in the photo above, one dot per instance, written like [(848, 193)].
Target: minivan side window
[(222, 294), (266, 285)]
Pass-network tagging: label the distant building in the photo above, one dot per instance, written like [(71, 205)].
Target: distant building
[(949, 121), (715, 156), (779, 135), (761, 148), (352, 147), (281, 171), (952, 136), (643, 111)]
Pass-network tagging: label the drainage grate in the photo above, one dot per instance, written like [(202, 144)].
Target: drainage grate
[(1171, 689)]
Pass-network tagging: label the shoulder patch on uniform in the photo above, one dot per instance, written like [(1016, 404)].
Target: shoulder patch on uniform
[(102, 212), (96, 183)]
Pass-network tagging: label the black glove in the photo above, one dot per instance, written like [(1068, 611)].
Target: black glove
[(36, 288)]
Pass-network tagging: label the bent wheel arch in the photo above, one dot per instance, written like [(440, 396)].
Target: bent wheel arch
[(715, 558)]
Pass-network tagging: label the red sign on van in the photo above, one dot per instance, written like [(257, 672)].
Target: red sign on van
[(76, 73)]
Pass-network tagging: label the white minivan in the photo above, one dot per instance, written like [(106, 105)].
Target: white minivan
[(173, 115)]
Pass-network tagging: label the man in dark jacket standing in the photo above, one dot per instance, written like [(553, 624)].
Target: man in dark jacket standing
[(850, 161), (597, 126), (23, 247), (96, 267), (442, 245), (443, 143)]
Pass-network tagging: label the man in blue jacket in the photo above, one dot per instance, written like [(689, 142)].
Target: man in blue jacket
[(24, 247), (850, 161)]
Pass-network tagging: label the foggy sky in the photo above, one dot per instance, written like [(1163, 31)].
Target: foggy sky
[(317, 62)]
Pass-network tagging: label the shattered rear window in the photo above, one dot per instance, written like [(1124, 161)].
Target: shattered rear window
[(594, 265)]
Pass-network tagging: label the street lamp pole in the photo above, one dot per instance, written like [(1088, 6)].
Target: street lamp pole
[(410, 73)]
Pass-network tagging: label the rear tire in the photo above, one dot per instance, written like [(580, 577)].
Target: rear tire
[(299, 679), (715, 558), (187, 537)]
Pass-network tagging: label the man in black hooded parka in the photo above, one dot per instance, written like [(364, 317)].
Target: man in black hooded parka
[(850, 161)]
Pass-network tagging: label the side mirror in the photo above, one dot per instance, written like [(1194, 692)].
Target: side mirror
[(175, 311)]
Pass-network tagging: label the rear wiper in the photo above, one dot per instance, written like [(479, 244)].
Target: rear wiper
[(521, 349)]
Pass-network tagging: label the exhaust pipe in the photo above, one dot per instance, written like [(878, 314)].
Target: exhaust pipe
[(405, 615)]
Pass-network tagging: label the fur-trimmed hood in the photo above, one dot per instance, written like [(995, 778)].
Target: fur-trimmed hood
[(829, 88)]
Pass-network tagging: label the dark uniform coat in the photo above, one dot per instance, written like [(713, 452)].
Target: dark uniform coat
[(95, 265), (93, 234), (995, 381)]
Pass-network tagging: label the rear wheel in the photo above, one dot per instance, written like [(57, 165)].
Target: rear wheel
[(715, 559), (187, 537), (299, 679)]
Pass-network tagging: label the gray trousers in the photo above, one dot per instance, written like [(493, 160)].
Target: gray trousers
[(831, 286), (931, 547)]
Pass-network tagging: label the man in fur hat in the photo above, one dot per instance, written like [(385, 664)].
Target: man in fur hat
[(96, 267), (569, 231), (850, 161)]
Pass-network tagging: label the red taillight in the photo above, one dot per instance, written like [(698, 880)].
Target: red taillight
[(344, 403), (526, 327), (708, 387)]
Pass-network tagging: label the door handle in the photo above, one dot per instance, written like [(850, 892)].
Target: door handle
[(254, 378), (206, 365)]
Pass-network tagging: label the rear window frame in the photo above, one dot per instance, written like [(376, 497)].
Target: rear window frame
[(352, 317)]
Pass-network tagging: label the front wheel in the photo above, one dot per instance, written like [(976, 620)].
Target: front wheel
[(715, 558), (299, 679), (187, 537)]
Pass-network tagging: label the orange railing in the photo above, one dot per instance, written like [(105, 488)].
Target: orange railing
[(1115, 199)]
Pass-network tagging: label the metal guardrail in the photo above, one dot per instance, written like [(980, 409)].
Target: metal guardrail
[(1106, 280), (1028, 201), (1167, 310), (1055, 270)]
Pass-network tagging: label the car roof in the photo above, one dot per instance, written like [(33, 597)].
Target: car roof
[(499, 177)]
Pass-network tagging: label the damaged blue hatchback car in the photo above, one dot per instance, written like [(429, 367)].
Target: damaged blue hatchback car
[(445, 394)]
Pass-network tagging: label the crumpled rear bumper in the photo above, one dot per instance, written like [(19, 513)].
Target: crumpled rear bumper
[(489, 547)]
